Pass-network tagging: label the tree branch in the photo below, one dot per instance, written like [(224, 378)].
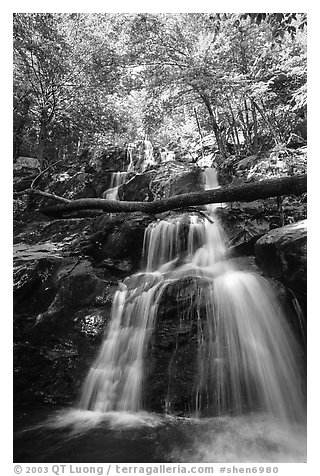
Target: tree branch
[(43, 171), (33, 191)]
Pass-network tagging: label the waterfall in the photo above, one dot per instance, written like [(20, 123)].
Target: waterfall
[(117, 179), (246, 356), (148, 155), (130, 148)]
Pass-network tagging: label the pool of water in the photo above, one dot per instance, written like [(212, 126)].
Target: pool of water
[(71, 435)]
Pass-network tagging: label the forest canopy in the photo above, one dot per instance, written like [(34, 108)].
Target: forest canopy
[(94, 79)]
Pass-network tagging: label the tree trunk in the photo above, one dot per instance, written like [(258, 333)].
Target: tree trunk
[(246, 192), (215, 126), (266, 119), (255, 128), (42, 139), (199, 129)]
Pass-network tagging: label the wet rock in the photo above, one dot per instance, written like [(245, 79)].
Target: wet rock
[(62, 304), (174, 178), (73, 185), (118, 236), (245, 223), (282, 254), (172, 360), (66, 273), (193, 181), (137, 189), (92, 321), (63, 236), (78, 286), (111, 158), (168, 179)]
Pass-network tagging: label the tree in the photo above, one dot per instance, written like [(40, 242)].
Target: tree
[(226, 63), (38, 69), (77, 78), (67, 67)]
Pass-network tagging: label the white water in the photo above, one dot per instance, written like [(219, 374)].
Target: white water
[(117, 179), (254, 438), (247, 354), (149, 159)]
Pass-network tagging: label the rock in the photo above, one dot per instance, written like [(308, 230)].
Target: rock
[(25, 170), (245, 223), (78, 285), (137, 189), (77, 184), (282, 254), (118, 237), (27, 164), (65, 275), (111, 158), (187, 182), (171, 367), (174, 178), (166, 180), (143, 155), (62, 304), (20, 206)]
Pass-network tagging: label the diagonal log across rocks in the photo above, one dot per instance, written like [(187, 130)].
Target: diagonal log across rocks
[(246, 192)]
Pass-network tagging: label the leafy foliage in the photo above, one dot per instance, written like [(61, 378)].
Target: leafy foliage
[(86, 79)]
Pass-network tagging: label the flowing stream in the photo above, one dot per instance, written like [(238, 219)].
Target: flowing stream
[(247, 381)]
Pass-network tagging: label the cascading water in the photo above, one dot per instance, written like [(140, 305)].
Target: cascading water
[(117, 179), (148, 155), (246, 357)]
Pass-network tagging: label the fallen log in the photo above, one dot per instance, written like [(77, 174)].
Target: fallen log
[(34, 191), (246, 192)]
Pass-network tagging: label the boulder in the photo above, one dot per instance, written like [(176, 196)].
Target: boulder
[(116, 240), (172, 359), (174, 178), (171, 367), (72, 185), (25, 170), (282, 254), (187, 182), (137, 189), (27, 164), (112, 158)]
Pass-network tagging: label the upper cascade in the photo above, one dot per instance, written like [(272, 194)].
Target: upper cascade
[(117, 179)]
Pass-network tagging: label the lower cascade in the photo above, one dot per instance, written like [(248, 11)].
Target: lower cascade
[(247, 358)]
